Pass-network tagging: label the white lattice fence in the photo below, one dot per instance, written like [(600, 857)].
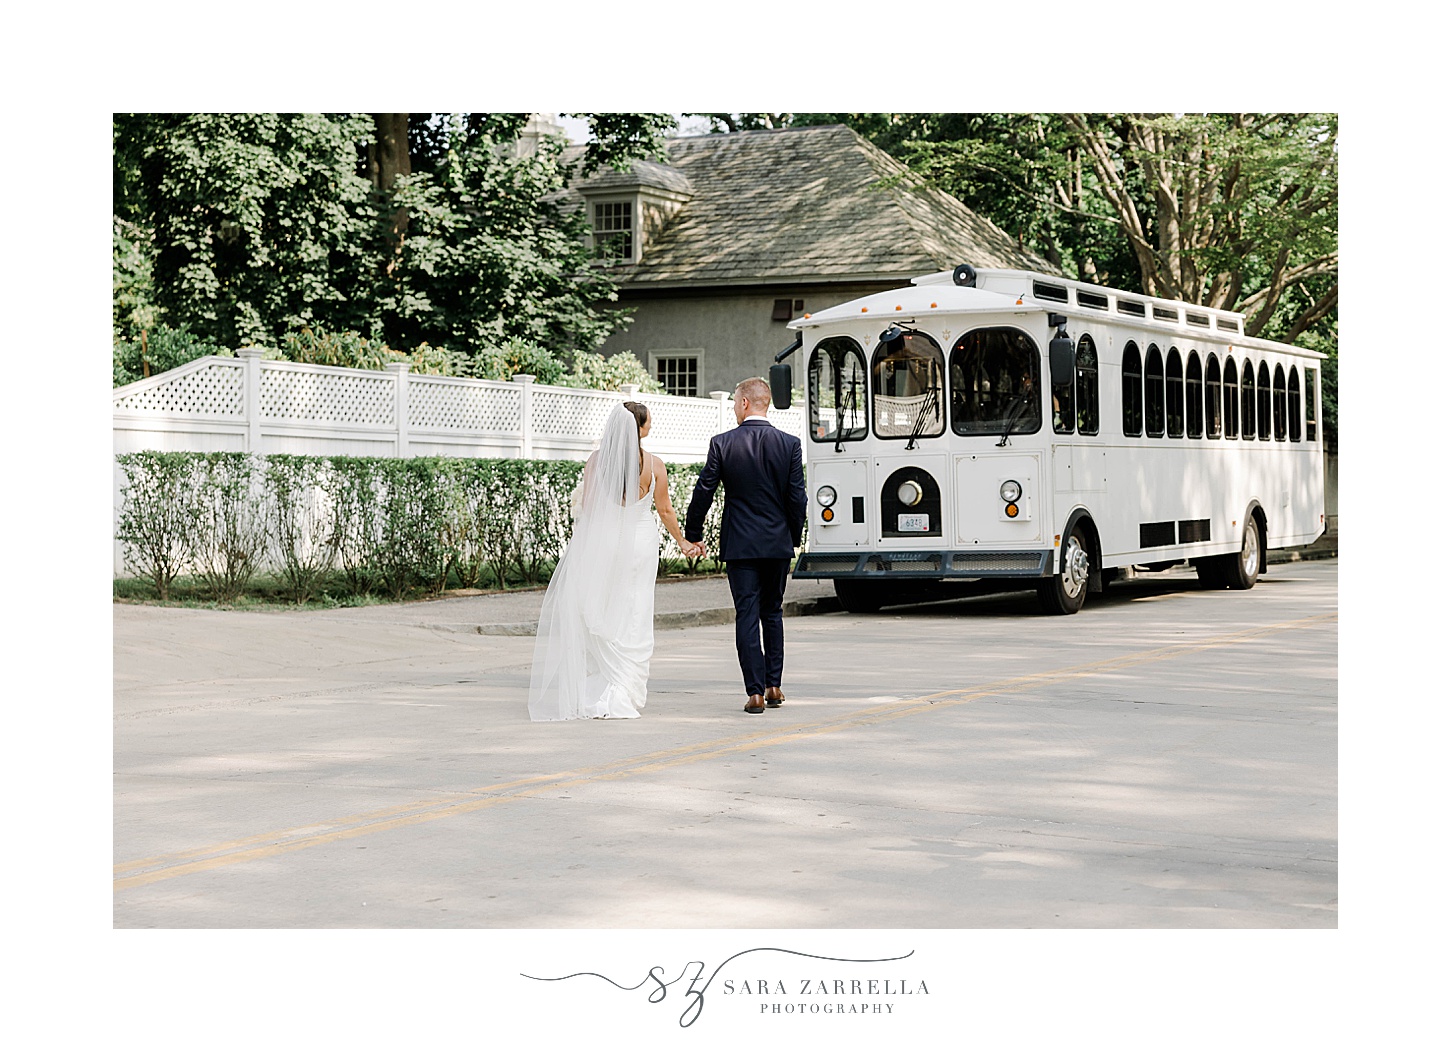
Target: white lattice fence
[(248, 404), (252, 405)]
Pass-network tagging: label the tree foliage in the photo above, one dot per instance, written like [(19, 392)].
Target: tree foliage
[(244, 227), (1230, 210)]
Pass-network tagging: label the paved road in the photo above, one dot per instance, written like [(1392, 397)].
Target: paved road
[(1166, 758)]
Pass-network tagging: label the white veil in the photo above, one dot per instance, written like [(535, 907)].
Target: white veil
[(590, 575)]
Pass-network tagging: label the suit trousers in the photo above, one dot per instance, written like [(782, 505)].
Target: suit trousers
[(758, 585)]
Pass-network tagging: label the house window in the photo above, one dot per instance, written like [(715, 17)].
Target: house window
[(782, 310), (614, 232), (680, 374)]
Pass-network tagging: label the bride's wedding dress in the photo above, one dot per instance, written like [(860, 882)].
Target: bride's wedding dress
[(597, 625)]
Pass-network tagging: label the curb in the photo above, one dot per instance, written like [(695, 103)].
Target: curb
[(675, 620)]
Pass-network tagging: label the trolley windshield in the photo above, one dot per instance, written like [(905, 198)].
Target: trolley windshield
[(995, 383), (836, 391)]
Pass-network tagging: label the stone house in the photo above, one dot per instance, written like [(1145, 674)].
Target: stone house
[(739, 233)]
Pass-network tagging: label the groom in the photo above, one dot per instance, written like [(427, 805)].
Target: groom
[(765, 510)]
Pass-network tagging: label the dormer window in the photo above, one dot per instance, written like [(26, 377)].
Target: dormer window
[(614, 231)]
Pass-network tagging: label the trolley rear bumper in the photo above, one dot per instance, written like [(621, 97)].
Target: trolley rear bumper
[(925, 564)]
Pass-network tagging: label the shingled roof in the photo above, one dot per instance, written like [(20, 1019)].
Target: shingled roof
[(806, 205)]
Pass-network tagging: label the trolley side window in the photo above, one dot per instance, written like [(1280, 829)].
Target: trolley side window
[(1213, 398), (995, 378), (1263, 398), (1175, 382), (1279, 408), (836, 391), (1231, 399), (1133, 391), (1154, 393), (1194, 397), (1294, 403), (1309, 405), (1247, 400), (1086, 385), (907, 387)]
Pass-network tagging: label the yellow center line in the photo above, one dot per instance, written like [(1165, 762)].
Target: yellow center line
[(270, 844)]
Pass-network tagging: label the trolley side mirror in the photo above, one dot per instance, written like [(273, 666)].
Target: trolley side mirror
[(781, 385), (1060, 360)]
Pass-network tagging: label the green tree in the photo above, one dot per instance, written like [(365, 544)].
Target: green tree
[(260, 221), (399, 227)]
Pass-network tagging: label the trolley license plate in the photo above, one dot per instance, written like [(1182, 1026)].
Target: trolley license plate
[(911, 522)]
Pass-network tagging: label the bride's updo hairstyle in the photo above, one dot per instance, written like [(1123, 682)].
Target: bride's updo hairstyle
[(641, 414)]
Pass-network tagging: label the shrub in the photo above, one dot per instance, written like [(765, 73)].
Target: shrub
[(596, 372), (352, 350), (515, 355), (158, 515), (355, 519), (155, 351), (230, 539), (302, 521)]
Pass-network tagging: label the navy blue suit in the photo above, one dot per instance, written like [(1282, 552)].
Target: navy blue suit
[(761, 522)]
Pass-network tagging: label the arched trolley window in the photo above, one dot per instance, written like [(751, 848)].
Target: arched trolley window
[(1154, 393), (1279, 408), (1231, 399), (836, 391), (1133, 390), (1193, 397), (1310, 404), (1174, 381), (1080, 411), (907, 386), (1294, 403), (1247, 400), (1213, 398), (1262, 396), (994, 373)]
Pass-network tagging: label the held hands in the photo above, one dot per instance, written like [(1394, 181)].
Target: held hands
[(691, 549)]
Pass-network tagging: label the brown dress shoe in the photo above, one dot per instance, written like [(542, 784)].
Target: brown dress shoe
[(755, 704), (774, 698)]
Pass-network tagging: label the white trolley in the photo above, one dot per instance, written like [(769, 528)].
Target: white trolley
[(999, 424)]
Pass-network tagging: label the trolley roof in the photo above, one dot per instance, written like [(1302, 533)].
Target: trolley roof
[(1006, 289)]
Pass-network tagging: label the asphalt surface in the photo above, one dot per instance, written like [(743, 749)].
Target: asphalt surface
[(1166, 758)]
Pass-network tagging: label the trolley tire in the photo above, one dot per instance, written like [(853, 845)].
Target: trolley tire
[(1064, 593), (859, 596), (1212, 573), (1242, 570)]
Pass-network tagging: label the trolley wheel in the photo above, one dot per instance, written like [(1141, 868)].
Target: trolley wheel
[(1243, 569), (859, 596), (1063, 594), (1212, 573)]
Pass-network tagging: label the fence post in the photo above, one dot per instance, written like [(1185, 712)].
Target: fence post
[(526, 420), (252, 395), (400, 404), (723, 411)]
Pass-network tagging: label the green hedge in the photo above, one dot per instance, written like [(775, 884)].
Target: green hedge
[(394, 526)]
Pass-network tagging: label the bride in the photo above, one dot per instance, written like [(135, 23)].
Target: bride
[(597, 626)]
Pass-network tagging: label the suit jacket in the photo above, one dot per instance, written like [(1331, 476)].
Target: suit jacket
[(765, 492)]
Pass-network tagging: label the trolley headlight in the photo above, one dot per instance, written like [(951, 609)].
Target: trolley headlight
[(826, 495), (910, 493), (1011, 491)]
